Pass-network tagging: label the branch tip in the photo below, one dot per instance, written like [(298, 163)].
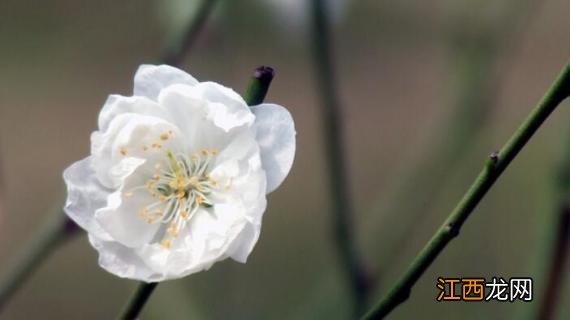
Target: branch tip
[(259, 85), (264, 73)]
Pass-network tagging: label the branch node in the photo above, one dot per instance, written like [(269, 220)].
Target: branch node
[(493, 160), (452, 229), (405, 295)]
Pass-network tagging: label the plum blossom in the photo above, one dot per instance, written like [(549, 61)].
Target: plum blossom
[(178, 175)]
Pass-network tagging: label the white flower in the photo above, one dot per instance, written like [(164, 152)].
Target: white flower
[(178, 175)]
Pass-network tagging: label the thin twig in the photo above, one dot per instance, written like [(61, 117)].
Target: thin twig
[(558, 244), (476, 53), (342, 206), (56, 233), (138, 301), (175, 52), (556, 272), (496, 164)]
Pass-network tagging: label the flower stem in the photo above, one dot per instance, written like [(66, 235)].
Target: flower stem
[(557, 263), (496, 164), (55, 233), (342, 207), (138, 300), (181, 44), (555, 244)]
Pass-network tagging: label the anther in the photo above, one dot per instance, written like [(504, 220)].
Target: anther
[(166, 243)]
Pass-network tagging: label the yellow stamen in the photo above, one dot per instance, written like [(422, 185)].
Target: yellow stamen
[(166, 243), (172, 230)]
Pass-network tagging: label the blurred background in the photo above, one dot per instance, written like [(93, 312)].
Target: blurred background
[(428, 90)]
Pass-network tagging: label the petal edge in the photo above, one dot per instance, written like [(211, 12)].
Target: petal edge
[(151, 79), (275, 133)]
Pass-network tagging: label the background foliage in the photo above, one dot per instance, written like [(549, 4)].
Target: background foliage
[(405, 69)]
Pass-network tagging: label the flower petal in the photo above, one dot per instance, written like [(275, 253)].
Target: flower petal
[(206, 123), (222, 105), (245, 242), (239, 168), (130, 139), (227, 108), (121, 220), (85, 194), (151, 79), (122, 261), (216, 231), (206, 239), (276, 138), (117, 104)]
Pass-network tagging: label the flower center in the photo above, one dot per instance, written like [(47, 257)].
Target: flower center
[(182, 185)]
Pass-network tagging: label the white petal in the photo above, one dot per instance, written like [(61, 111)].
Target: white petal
[(116, 105), (224, 107), (129, 140), (276, 137), (151, 79), (227, 108), (239, 164), (245, 242), (216, 93), (187, 111), (121, 220), (85, 194), (122, 261), (243, 146), (205, 122), (208, 238), (216, 230)]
